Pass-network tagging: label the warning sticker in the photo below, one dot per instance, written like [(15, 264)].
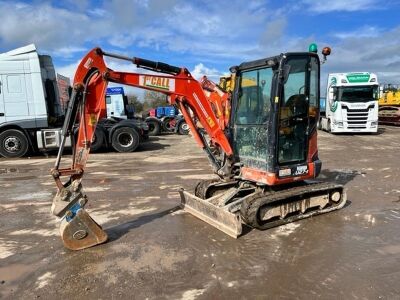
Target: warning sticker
[(92, 120), (210, 122)]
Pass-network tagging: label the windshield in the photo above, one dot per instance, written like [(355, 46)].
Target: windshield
[(252, 117), (358, 94), (255, 97)]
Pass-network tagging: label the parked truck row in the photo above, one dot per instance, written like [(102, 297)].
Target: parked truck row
[(159, 119)]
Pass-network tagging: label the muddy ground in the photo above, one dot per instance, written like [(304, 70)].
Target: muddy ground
[(156, 251)]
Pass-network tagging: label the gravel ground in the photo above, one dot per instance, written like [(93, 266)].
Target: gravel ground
[(156, 251)]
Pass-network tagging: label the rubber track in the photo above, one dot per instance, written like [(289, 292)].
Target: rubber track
[(202, 186), (250, 207)]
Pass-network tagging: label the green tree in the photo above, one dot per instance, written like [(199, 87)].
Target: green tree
[(153, 99), (137, 104)]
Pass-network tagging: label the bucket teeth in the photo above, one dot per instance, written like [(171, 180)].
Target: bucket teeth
[(81, 231)]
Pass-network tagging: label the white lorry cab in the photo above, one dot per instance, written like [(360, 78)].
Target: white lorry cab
[(30, 112), (351, 103)]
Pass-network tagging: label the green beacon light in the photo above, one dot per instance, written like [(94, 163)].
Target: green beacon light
[(313, 48)]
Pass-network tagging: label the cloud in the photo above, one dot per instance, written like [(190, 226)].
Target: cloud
[(365, 31), (200, 70), (47, 26), (378, 53), (185, 33), (274, 32), (321, 6)]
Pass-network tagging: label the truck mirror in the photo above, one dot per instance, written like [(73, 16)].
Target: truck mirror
[(381, 91), (332, 93)]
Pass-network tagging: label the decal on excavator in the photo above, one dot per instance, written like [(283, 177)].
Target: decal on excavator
[(92, 120), (210, 122), (88, 63), (208, 118), (163, 83)]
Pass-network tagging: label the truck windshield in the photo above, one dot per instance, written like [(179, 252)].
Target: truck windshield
[(358, 94)]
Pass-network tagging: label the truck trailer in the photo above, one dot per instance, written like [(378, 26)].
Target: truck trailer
[(351, 103)]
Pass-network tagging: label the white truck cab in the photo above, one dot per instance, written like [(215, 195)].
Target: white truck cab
[(351, 103), (30, 111)]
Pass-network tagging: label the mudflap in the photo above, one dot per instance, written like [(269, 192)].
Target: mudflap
[(222, 219), (81, 231)]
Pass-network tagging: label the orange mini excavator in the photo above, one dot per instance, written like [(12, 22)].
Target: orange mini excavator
[(260, 139)]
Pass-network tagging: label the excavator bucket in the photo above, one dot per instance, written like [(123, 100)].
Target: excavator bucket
[(222, 219), (78, 230), (81, 231)]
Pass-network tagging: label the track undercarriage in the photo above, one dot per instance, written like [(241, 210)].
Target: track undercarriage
[(228, 205)]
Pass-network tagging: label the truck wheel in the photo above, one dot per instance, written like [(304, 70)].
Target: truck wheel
[(169, 124), (328, 127), (13, 143), (97, 141), (319, 124), (183, 128), (125, 139), (154, 127)]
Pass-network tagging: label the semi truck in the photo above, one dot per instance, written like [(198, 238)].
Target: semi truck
[(351, 103), (31, 114), (116, 102), (166, 119)]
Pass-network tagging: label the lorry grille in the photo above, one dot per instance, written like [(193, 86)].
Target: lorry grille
[(356, 118)]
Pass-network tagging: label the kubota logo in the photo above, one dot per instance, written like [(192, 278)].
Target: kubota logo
[(163, 83)]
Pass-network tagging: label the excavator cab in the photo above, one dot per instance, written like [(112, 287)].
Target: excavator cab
[(274, 112), (273, 132)]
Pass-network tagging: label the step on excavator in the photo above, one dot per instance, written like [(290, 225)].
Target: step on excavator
[(260, 139)]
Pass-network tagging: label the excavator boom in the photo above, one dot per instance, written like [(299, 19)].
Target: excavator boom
[(87, 106)]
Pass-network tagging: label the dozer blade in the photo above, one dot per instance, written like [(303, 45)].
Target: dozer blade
[(217, 216), (81, 231)]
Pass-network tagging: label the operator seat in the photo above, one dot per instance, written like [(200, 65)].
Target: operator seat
[(298, 104)]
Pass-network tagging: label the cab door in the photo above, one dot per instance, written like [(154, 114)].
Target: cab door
[(295, 118), (2, 108), (13, 93)]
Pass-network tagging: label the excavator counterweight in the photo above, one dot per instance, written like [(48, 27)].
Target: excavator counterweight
[(260, 138)]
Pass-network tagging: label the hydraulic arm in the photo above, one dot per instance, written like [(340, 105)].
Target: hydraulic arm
[(87, 106)]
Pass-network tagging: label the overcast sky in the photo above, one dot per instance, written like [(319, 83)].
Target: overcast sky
[(208, 37)]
